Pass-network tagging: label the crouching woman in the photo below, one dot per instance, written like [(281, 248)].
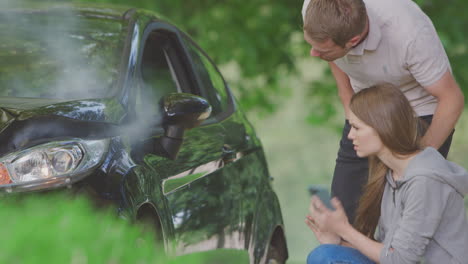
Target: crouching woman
[(412, 209)]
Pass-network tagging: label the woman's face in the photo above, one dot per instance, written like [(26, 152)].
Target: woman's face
[(365, 139)]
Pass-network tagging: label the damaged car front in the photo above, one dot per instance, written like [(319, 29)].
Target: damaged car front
[(121, 105), (59, 77)]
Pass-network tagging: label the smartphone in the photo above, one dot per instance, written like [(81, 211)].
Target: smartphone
[(322, 193)]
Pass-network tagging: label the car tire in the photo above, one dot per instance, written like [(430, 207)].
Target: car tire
[(148, 224), (274, 256)]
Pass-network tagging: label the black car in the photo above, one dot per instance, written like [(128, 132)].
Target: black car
[(122, 106)]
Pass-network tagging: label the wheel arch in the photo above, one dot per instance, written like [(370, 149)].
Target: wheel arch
[(268, 215), (278, 239), (147, 213)]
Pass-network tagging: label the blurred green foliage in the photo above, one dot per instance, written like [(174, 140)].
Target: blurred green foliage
[(60, 229), (56, 228), (450, 20), (256, 36)]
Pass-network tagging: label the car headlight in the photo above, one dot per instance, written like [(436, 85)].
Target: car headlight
[(51, 160)]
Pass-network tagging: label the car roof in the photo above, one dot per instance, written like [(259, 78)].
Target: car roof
[(81, 10), (110, 11)]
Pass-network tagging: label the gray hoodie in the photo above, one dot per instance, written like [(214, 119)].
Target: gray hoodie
[(423, 218)]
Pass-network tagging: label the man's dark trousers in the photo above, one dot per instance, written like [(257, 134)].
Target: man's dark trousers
[(351, 171)]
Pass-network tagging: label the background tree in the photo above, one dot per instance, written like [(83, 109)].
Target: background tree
[(261, 40)]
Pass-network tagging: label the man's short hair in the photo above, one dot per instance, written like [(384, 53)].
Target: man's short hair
[(339, 20)]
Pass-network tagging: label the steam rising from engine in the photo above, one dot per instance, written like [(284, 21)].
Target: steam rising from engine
[(59, 54)]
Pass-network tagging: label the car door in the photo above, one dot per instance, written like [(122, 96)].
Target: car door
[(244, 161), (198, 194)]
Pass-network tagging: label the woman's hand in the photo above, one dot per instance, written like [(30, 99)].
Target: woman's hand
[(326, 220), (322, 237), (329, 221)]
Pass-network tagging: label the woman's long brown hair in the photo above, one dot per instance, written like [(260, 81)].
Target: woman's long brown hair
[(386, 109)]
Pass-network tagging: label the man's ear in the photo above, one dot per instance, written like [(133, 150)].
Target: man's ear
[(353, 41)]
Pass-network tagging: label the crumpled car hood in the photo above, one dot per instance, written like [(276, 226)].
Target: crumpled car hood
[(27, 121)]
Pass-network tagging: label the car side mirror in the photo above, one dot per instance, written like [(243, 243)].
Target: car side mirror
[(181, 112)]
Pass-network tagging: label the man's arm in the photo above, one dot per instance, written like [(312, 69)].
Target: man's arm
[(345, 91), (449, 108)]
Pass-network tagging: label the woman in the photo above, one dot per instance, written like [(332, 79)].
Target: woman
[(413, 198)]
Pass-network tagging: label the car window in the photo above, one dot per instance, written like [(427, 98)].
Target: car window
[(213, 85), (158, 71)]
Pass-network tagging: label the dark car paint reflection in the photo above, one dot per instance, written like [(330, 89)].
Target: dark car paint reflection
[(211, 192)]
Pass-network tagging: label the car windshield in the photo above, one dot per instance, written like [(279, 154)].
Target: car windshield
[(60, 54)]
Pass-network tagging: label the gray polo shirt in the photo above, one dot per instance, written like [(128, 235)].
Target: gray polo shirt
[(402, 48)]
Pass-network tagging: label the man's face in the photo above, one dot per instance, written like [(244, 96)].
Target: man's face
[(327, 50)]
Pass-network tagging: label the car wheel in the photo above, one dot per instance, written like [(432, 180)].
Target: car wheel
[(149, 224), (274, 256)]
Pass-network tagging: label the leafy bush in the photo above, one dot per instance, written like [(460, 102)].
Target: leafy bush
[(56, 228)]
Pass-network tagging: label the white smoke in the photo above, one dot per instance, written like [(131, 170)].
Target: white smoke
[(69, 53), (78, 78)]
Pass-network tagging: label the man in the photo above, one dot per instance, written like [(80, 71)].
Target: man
[(374, 41)]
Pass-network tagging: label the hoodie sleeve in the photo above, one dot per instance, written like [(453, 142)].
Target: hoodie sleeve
[(423, 204)]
